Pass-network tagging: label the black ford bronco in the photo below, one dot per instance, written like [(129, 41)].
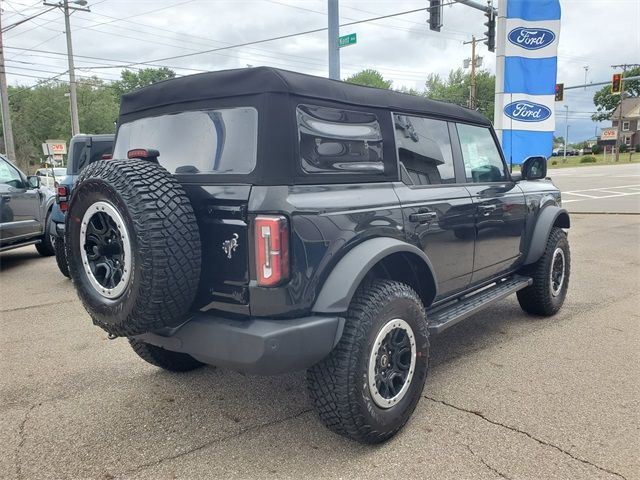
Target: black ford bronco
[(269, 221)]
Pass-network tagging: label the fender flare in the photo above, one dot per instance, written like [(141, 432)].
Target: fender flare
[(341, 284), (548, 217)]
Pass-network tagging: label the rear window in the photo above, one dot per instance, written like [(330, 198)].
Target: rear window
[(206, 141), (83, 155), (334, 140)]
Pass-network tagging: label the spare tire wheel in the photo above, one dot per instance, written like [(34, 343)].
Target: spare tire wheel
[(133, 246)]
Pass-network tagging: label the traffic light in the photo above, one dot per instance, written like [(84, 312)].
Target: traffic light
[(490, 42), (435, 15), (616, 83), (559, 92)]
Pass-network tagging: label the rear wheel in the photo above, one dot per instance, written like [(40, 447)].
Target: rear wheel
[(550, 277), (166, 359), (369, 385), (61, 257)]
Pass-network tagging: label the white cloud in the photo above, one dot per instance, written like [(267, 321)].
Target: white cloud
[(594, 33)]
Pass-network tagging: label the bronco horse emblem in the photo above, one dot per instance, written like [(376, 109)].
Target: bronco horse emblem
[(230, 246)]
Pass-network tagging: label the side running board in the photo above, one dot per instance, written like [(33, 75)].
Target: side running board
[(443, 317)]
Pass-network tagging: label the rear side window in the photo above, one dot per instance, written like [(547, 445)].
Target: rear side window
[(424, 150), (206, 141), (482, 160), (336, 141), (83, 155)]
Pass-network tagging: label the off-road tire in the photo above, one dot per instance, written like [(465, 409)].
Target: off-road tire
[(164, 239), (339, 387), (61, 257), (165, 359), (537, 298), (45, 247)]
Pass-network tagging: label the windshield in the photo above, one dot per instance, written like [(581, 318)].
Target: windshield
[(207, 141)]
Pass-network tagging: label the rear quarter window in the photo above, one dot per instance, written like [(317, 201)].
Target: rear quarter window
[(335, 141)]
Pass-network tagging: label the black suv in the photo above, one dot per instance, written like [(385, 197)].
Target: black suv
[(83, 150), (270, 221)]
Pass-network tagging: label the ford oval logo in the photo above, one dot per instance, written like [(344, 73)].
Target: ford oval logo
[(524, 111), (531, 38)]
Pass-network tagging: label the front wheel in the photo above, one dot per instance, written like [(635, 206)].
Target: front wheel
[(550, 277), (46, 245), (369, 385)]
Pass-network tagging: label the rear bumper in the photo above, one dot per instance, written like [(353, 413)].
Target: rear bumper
[(262, 346)]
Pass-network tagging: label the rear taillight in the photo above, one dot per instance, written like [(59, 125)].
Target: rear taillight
[(62, 197), (107, 156), (272, 250)]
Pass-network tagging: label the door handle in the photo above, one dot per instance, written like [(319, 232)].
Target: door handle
[(486, 210), (423, 216)]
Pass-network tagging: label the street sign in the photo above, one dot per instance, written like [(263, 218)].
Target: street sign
[(54, 147), (609, 134), (347, 40)]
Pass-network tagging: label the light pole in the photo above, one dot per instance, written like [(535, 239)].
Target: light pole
[(586, 71), (64, 5)]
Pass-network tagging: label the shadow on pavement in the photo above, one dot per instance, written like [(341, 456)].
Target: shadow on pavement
[(15, 258)]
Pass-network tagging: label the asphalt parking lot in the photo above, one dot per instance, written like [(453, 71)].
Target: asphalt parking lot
[(508, 395), (601, 189)]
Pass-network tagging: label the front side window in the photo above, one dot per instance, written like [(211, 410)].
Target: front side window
[(424, 150), (334, 140), (221, 141), (9, 175), (482, 160)]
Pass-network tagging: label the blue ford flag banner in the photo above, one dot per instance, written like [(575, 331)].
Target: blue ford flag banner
[(527, 49)]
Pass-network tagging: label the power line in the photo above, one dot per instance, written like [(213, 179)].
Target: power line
[(279, 37)]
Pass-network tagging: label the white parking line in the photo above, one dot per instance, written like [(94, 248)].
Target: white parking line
[(610, 188), (580, 194), (591, 197)]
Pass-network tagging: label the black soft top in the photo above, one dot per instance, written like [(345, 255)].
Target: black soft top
[(210, 86)]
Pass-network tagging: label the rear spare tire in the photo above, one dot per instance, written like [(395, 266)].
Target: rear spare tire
[(133, 246)]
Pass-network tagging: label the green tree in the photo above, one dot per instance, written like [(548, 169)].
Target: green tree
[(606, 102), (370, 78), (455, 89), (132, 80)]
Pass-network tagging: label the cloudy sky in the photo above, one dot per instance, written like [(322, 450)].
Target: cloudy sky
[(595, 34)]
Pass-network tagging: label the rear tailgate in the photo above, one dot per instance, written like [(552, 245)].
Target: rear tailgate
[(221, 211)]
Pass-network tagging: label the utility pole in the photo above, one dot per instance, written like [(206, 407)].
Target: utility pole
[(624, 68), (472, 96), (64, 6), (473, 62), (7, 130), (333, 16)]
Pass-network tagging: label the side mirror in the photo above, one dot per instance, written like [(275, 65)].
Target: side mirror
[(34, 181), (534, 168)]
